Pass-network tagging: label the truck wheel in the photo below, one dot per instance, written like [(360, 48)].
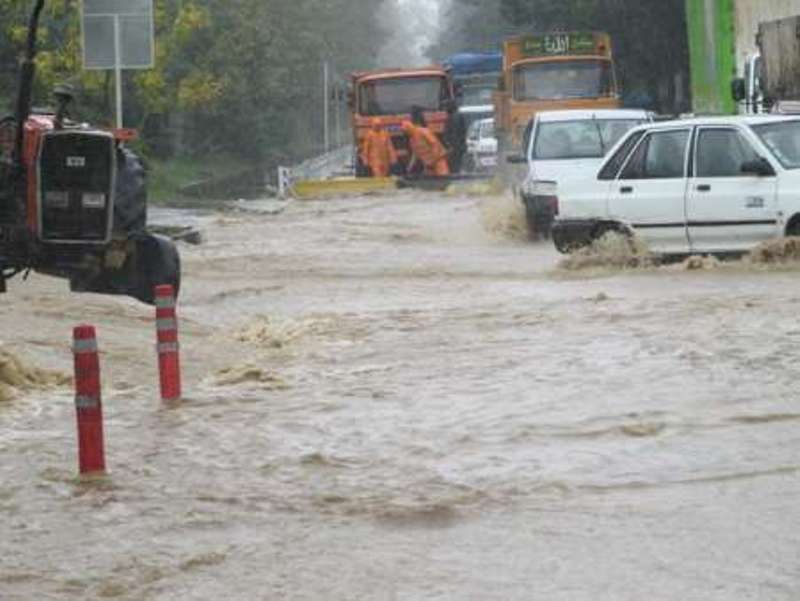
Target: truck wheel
[(130, 206)]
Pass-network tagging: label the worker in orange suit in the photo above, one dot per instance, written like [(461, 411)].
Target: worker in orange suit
[(426, 149), (377, 151)]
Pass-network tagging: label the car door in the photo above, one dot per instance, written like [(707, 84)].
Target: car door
[(650, 192), (728, 210)]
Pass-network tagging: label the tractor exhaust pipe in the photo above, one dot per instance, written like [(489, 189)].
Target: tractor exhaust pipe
[(27, 73)]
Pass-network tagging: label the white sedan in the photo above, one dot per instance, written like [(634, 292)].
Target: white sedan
[(704, 185), (562, 145)]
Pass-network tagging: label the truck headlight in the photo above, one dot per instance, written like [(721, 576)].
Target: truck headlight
[(56, 199), (93, 200)]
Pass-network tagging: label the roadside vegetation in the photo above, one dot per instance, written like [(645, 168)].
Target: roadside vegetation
[(234, 82)]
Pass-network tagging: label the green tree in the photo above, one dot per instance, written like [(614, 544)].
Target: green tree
[(233, 76)]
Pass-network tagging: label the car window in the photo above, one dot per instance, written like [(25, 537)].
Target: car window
[(662, 155), (783, 139), (614, 164), (721, 153)]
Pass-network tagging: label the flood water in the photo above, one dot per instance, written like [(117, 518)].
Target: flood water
[(398, 398)]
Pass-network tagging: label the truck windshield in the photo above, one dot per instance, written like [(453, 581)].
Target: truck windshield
[(477, 94), (783, 139), (476, 90), (562, 80), (585, 139), (398, 96)]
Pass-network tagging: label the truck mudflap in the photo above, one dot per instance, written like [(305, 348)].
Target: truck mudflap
[(571, 234), (154, 261)]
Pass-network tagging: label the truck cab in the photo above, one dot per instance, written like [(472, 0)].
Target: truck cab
[(559, 71), (392, 96)]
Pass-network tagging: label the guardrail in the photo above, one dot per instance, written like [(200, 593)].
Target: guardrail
[(336, 162)]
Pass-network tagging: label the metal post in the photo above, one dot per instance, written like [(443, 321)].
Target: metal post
[(338, 116), (118, 70), (325, 109)]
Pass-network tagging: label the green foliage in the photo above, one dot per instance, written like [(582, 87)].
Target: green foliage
[(242, 77), (167, 176)]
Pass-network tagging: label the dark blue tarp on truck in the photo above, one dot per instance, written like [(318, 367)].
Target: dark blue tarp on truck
[(472, 63)]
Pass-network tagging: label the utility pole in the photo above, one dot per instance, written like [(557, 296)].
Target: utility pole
[(118, 70), (338, 93), (326, 103)]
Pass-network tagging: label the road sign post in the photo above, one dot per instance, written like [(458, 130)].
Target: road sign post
[(117, 35)]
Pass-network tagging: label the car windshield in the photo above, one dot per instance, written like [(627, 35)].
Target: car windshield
[(562, 80), (398, 96), (783, 139), (487, 130), (584, 139)]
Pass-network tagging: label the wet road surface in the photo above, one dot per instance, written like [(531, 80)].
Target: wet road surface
[(397, 398)]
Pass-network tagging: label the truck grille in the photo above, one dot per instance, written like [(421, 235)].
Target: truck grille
[(76, 180)]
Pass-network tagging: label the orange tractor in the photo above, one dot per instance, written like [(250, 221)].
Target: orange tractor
[(73, 202)]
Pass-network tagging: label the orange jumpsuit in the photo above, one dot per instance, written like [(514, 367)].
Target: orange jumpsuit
[(427, 148), (378, 152)]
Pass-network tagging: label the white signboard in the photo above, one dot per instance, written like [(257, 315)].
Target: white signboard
[(117, 34)]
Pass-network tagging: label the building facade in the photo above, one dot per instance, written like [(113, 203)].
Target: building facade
[(722, 35)]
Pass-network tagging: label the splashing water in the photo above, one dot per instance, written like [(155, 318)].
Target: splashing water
[(16, 377), (503, 216), (612, 250), (778, 251)]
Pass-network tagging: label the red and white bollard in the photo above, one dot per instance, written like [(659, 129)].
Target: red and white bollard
[(169, 365), (88, 404)]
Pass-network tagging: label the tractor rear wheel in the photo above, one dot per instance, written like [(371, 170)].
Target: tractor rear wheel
[(130, 204)]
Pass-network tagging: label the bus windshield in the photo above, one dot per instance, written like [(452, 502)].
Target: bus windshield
[(563, 80), (398, 96)]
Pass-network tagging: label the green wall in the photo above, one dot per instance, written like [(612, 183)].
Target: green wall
[(713, 56)]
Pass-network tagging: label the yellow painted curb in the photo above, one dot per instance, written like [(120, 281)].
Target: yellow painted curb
[(311, 189)]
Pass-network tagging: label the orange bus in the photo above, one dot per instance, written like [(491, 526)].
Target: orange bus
[(554, 71)]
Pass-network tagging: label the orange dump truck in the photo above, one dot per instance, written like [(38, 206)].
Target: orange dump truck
[(391, 95), (558, 71)]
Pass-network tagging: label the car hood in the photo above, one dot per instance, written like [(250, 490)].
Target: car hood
[(559, 171)]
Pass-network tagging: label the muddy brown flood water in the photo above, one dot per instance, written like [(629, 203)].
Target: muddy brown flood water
[(398, 399)]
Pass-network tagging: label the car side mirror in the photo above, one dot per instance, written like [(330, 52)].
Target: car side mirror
[(738, 89), (759, 167), (516, 159)]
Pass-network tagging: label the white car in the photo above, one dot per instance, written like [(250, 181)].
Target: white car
[(703, 185), (562, 145), (481, 146)]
